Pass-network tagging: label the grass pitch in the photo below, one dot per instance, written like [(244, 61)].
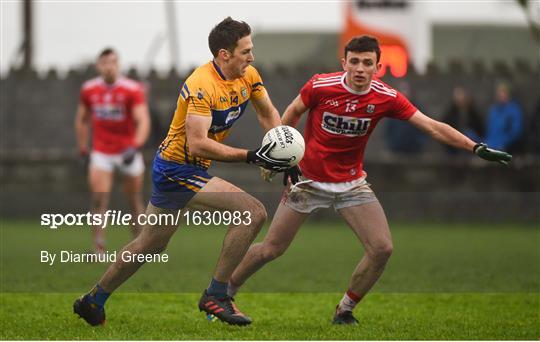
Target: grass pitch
[(443, 282), (279, 316)]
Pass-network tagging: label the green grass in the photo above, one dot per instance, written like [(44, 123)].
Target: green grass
[(426, 258), (279, 317), (442, 282)]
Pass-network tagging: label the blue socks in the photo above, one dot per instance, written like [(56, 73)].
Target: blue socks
[(98, 295), (217, 289)]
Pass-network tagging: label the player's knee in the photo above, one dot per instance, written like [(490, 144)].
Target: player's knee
[(381, 252), (271, 251), (258, 214)]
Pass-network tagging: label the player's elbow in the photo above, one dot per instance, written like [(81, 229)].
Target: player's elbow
[(439, 130), (293, 112), (196, 148), (196, 151), (80, 120)]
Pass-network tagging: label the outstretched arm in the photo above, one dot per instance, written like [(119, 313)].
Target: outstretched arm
[(450, 136), (441, 132)]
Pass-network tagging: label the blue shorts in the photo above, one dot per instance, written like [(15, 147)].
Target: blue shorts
[(175, 184)]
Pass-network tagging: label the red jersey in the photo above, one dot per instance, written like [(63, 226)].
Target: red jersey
[(339, 124), (111, 105)]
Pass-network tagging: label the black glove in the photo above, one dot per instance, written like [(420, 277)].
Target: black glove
[(483, 151), (129, 155), (293, 173), (261, 157)]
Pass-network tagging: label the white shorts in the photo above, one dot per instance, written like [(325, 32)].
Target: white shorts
[(111, 162), (307, 195)]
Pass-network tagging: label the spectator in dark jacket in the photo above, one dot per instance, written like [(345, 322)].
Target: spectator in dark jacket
[(534, 130), (463, 115)]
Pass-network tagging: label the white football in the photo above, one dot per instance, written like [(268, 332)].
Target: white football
[(289, 143)]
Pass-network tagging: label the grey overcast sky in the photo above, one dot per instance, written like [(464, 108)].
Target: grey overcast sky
[(69, 33)]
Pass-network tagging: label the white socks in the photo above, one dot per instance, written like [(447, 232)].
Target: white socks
[(349, 301)]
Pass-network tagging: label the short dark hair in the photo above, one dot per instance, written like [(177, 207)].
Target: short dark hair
[(107, 51), (226, 35), (364, 44)]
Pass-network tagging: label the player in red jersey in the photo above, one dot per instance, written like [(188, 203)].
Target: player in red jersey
[(344, 108), (116, 110)]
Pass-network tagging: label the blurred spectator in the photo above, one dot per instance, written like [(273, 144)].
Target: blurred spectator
[(402, 137), (505, 120), (463, 115), (533, 134)]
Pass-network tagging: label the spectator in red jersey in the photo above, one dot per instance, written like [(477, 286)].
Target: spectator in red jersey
[(115, 108), (344, 108)]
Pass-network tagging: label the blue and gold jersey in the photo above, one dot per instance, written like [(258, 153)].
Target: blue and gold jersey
[(206, 92)]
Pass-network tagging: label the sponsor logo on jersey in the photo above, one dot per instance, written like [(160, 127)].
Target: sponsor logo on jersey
[(345, 125), (223, 99), (233, 114), (244, 92), (223, 119), (200, 94), (109, 112)]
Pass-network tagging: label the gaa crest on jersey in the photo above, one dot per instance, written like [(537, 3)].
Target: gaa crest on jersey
[(370, 109), (333, 103), (243, 92), (200, 94), (345, 125)]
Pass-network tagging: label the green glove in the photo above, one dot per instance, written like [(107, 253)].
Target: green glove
[(483, 151)]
